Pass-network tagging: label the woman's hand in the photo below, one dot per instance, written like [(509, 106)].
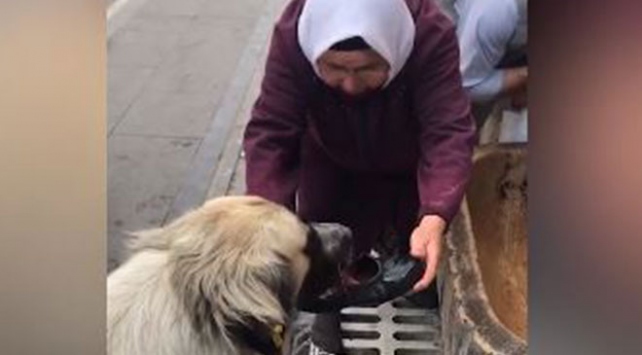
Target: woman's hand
[(425, 244)]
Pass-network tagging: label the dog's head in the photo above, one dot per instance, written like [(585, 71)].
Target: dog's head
[(238, 265)]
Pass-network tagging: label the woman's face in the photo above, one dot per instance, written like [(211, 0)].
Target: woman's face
[(355, 73)]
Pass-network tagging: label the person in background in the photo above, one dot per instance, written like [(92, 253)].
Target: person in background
[(492, 37), (362, 119)]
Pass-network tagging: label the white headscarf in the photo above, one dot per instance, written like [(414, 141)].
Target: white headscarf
[(386, 25)]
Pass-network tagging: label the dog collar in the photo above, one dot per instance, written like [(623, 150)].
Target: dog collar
[(262, 338), (277, 337)]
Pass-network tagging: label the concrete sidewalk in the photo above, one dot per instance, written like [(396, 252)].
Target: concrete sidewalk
[(182, 75)]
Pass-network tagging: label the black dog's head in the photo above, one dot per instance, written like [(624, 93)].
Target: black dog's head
[(329, 248)]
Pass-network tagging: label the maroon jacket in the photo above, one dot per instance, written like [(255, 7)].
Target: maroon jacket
[(420, 123)]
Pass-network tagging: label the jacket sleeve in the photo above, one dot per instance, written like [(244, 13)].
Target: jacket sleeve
[(272, 136), (482, 45), (447, 131)]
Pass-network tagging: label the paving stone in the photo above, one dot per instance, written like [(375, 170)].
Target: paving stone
[(161, 113), (144, 175), (123, 87)]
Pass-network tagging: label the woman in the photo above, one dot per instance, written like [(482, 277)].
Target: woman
[(362, 120)]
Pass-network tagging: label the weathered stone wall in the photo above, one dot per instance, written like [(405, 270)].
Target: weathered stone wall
[(482, 277)]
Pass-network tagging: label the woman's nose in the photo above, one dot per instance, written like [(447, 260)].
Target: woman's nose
[(351, 86)]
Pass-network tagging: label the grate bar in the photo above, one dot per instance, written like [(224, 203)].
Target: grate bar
[(400, 327), (359, 326), (367, 343)]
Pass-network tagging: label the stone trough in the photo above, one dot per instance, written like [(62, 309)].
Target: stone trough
[(482, 279)]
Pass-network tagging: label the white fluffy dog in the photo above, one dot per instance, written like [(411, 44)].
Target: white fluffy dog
[(219, 280)]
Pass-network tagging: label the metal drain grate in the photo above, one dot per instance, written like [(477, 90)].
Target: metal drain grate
[(394, 328)]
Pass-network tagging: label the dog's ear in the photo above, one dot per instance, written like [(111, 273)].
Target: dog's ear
[(190, 284), (266, 337), (254, 298), (280, 281)]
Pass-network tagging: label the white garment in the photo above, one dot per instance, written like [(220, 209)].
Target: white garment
[(514, 126), (485, 28), (386, 25)]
